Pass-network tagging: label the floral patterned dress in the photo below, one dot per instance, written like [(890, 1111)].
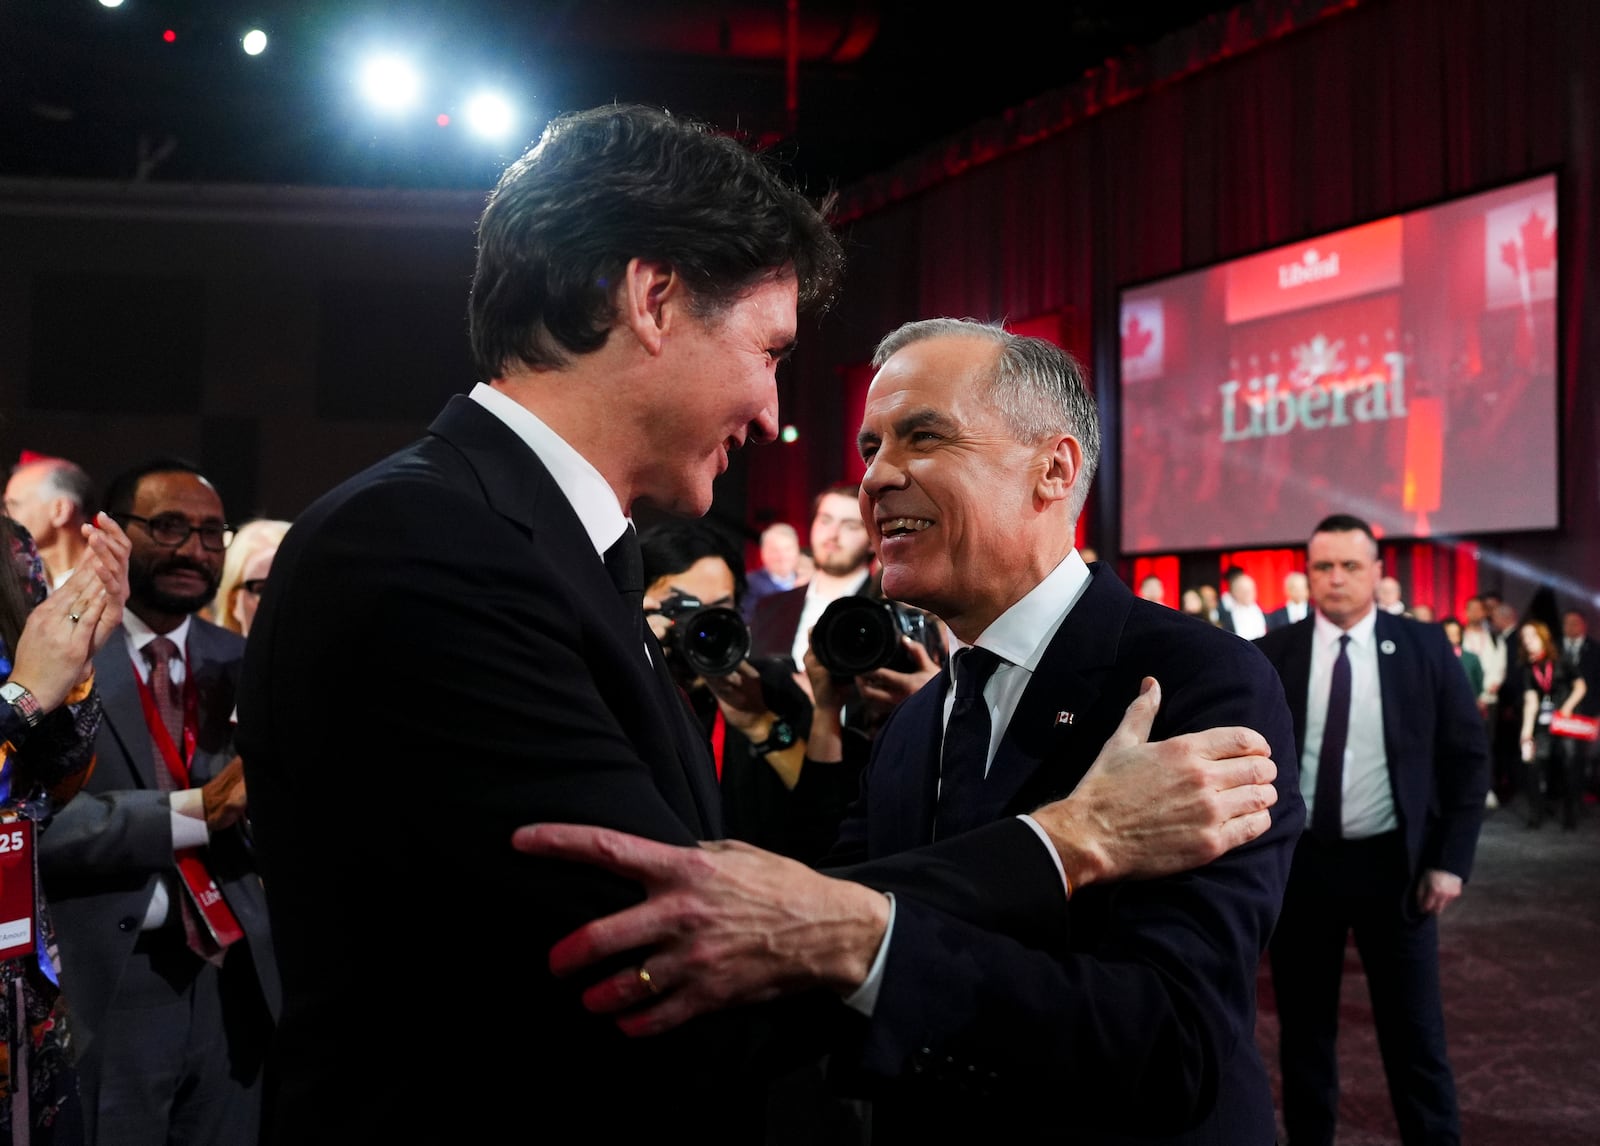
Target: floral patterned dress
[(41, 768)]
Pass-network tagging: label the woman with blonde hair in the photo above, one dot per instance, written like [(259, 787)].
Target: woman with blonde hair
[(244, 573)]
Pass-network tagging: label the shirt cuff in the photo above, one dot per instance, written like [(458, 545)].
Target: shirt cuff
[(188, 820), (1055, 856), (864, 999)]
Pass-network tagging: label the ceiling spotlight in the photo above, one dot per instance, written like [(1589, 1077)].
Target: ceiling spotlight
[(110, 3), (789, 434), (254, 42), (490, 115), (390, 82)]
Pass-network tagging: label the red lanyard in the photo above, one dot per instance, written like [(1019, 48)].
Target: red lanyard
[(177, 765), (1544, 677)]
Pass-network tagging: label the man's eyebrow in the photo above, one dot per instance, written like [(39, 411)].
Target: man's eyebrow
[(921, 418)]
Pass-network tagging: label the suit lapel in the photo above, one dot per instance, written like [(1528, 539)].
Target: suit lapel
[(1056, 718), (118, 686), (904, 782), (1392, 667), (517, 486)]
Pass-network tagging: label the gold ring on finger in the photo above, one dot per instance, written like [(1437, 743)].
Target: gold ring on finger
[(649, 984)]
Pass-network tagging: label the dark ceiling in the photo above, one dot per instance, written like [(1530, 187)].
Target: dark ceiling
[(91, 92)]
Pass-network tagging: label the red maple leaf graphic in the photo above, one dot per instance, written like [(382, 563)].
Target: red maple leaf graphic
[(1511, 255), (1538, 242), (1136, 339)]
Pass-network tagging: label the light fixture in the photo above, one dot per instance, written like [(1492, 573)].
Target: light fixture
[(390, 82), (254, 42), (490, 115)]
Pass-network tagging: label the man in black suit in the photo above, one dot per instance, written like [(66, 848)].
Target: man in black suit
[(1583, 657), (1130, 1014), (1394, 768), (453, 644), (172, 1005), (1296, 605)]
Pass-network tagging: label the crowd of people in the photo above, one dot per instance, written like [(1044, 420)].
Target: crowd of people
[(611, 794)]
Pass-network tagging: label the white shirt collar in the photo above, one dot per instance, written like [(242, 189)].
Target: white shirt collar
[(590, 495), (141, 634), (1328, 633), (1023, 632)]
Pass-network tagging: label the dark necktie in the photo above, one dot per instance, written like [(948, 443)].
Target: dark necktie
[(626, 567), (161, 652), (966, 745), (1327, 817)]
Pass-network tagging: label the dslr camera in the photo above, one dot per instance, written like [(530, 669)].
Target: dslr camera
[(857, 635), (709, 641)]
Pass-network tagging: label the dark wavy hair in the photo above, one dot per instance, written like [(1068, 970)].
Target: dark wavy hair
[(674, 546), (605, 186)]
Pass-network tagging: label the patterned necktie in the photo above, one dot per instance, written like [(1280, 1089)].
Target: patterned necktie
[(966, 745), (1327, 817), (169, 703), (626, 566), (161, 652)]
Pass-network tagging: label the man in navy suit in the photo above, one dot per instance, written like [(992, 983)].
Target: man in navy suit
[(1296, 605), (1131, 1007), (1393, 768)]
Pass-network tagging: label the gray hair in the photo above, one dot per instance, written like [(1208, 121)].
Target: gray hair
[(1038, 388), (781, 529), (66, 479)]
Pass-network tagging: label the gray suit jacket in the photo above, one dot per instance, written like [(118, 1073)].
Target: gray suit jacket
[(103, 852)]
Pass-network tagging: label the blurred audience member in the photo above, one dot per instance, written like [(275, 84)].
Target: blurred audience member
[(1296, 603), (50, 498), (1245, 618), (1423, 613), (244, 573), (755, 717), (1212, 603), (1153, 589), (1550, 688), (1229, 575), (1469, 661), (780, 567), (48, 725), (843, 552), (1504, 738), (165, 950), (1389, 597), (1583, 657), (1088, 554), (1191, 603)]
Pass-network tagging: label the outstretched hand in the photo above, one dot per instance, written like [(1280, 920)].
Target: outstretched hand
[(726, 924), (1145, 810)]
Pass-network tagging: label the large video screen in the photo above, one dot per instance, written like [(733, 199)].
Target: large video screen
[(1403, 370)]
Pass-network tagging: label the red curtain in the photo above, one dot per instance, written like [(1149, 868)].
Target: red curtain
[(1241, 138)]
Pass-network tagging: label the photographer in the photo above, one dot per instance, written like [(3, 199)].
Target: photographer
[(755, 716)]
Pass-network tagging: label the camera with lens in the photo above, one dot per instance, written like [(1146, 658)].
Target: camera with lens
[(709, 641), (857, 635)]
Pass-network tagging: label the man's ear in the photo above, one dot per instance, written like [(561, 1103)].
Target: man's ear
[(1062, 466), (643, 299)]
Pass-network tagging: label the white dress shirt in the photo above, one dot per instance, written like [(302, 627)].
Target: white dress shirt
[(187, 807), (1249, 621), (1296, 611), (1367, 799)]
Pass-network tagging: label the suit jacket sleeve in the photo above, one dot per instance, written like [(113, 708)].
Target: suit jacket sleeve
[(1141, 1013), (1460, 762)]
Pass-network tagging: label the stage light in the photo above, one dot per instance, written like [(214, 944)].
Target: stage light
[(490, 115), (110, 3), (170, 36), (442, 119), (390, 82), (254, 42), (789, 434)]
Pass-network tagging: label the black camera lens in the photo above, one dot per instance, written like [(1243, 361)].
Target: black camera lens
[(855, 635), (713, 641)]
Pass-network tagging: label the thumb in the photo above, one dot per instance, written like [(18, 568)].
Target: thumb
[(919, 653), (1141, 714)]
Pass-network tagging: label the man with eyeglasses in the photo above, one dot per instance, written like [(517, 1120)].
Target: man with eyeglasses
[(166, 959)]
